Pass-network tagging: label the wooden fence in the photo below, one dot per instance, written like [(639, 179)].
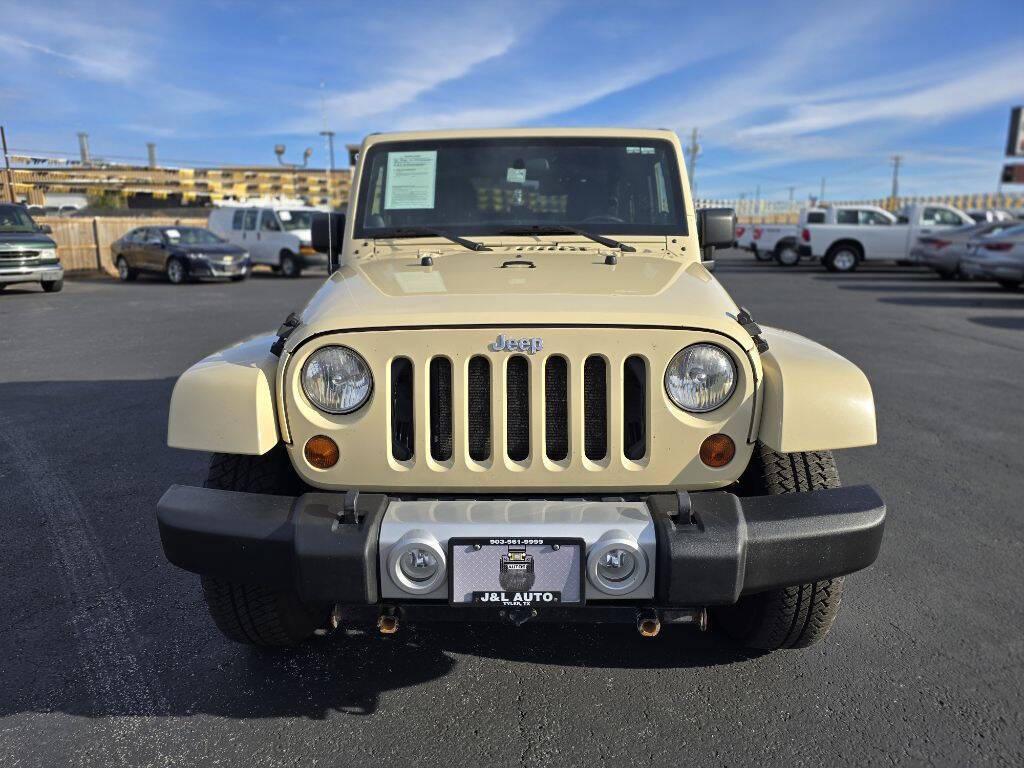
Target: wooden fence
[(84, 244)]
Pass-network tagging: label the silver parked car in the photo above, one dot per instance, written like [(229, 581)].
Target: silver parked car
[(997, 256), (943, 252)]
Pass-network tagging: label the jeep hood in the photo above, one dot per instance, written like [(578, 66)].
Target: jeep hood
[(560, 288)]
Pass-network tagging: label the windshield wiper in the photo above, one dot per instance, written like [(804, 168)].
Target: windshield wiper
[(422, 231), (559, 229)]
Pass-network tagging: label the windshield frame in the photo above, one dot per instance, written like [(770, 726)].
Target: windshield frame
[(22, 229), (623, 231)]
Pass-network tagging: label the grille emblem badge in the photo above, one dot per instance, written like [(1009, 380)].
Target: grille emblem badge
[(504, 344)]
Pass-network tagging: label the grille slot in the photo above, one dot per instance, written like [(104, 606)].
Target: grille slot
[(402, 432), (479, 408), (556, 408), (595, 408), (441, 408), (517, 396), (634, 408)]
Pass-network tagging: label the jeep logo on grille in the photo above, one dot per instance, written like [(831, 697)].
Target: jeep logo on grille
[(505, 344)]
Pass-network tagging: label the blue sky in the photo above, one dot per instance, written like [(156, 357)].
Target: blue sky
[(783, 93)]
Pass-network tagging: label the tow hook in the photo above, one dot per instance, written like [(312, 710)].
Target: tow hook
[(388, 622), (648, 623), (518, 616)]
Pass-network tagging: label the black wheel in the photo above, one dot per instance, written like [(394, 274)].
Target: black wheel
[(842, 258), (790, 617), (124, 272), (238, 278), (176, 271), (1009, 285), (290, 266), (53, 286), (786, 254), (946, 275), (254, 614)]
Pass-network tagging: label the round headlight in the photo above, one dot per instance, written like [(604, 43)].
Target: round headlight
[(337, 380), (700, 378)]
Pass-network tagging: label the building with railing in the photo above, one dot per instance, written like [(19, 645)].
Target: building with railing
[(33, 179)]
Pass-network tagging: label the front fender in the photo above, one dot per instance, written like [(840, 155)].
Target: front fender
[(814, 399), (225, 402)]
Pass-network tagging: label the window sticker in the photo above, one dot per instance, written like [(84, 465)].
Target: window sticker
[(412, 177), (172, 234), (516, 175), (646, 150), (632, 150), (284, 215)]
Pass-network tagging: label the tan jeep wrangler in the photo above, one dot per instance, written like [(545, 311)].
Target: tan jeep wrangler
[(523, 396)]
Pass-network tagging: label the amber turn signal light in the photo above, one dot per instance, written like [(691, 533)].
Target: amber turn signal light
[(321, 452), (717, 450)]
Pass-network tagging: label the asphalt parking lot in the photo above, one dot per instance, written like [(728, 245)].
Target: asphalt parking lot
[(108, 656)]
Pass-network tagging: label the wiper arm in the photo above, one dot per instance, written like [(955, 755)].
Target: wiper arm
[(558, 229), (420, 231)]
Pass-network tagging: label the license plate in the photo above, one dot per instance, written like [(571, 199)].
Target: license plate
[(512, 572)]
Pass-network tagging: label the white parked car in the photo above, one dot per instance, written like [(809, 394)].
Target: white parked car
[(779, 241), (276, 236), (861, 233)]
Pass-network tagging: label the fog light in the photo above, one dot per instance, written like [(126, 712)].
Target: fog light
[(321, 452), (717, 450), (616, 565), (418, 564)]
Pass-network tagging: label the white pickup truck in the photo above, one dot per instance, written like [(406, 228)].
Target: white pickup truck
[(776, 241), (859, 233)]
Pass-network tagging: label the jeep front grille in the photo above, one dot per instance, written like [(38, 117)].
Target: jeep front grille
[(521, 438)]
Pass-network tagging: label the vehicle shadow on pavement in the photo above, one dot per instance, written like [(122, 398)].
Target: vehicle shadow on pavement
[(1006, 323)]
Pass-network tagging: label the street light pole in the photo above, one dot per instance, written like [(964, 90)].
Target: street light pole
[(7, 166)]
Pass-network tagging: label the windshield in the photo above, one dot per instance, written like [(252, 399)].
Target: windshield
[(191, 236), (292, 220), (14, 218), (491, 186)]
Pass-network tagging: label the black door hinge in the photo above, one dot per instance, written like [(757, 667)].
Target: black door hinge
[(290, 323), (745, 319)]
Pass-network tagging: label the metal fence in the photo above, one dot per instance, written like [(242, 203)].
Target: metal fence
[(84, 244), (786, 211)]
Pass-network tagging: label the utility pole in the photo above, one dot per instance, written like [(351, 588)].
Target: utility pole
[(791, 191), (757, 200), (691, 159), (821, 197), (330, 146), (7, 166), (896, 161)]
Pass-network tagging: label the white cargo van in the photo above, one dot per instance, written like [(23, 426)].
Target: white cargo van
[(275, 235)]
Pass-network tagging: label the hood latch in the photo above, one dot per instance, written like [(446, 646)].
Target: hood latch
[(290, 323), (744, 318)]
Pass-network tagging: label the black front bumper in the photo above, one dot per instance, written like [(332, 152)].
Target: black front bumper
[(712, 547)]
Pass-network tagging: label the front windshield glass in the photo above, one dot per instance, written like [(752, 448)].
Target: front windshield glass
[(494, 186), (191, 236), (14, 218), (292, 220)]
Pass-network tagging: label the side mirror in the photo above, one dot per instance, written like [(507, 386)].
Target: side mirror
[(45, 229), (716, 228), (327, 233)]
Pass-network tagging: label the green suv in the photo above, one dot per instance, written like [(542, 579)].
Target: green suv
[(27, 253)]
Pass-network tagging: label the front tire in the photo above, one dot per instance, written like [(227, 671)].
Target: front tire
[(53, 286), (176, 271), (1009, 285), (124, 272), (787, 255), (790, 617), (254, 614), (290, 266)]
